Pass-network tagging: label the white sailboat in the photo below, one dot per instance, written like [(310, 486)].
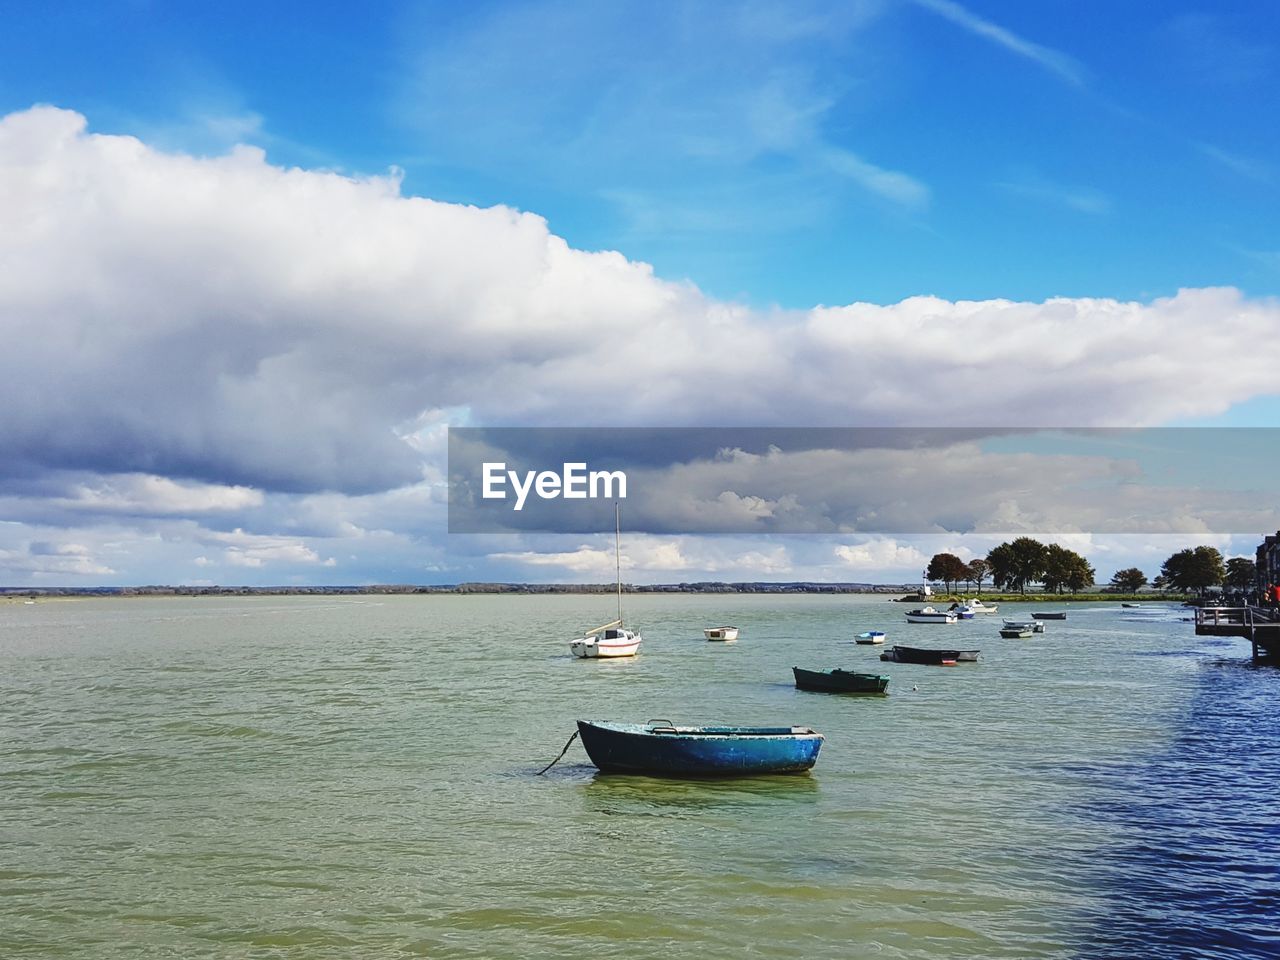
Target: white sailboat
[(613, 639)]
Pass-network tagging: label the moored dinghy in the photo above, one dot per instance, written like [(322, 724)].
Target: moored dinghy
[(1021, 631), (870, 637), (721, 633), (662, 748), (928, 656), (839, 681), (930, 615), (1035, 626), (1049, 616)]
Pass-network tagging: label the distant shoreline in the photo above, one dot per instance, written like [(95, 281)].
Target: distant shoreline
[(160, 590), (804, 587)]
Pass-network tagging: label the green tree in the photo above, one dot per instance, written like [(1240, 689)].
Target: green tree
[(1016, 564), (1000, 562), (947, 568), (1057, 564), (1065, 570), (1242, 573), (978, 571), (1208, 569), (1128, 580), (1080, 575), (1194, 570), (1173, 570)]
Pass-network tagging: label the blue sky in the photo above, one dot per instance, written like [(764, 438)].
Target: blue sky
[(1025, 150), (261, 256)]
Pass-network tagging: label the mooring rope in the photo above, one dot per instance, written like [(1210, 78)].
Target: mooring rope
[(568, 744)]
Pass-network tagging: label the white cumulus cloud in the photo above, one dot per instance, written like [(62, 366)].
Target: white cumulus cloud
[(236, 323), (879, 555), (218, 336)]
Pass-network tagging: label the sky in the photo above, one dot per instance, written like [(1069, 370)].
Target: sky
[(255, 261)]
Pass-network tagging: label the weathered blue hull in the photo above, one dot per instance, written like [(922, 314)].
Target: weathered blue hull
[(658, 748)]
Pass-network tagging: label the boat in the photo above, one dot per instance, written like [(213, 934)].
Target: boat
[(610, 640), (927, 656), (871, 636), (721, 633), (660, 747), (1035, 626), (939, 658), (977, 606), (613, 639), (1130, 604), (839, 681), (930, 615), (1022, 631), (961, 611), (1049, 616)]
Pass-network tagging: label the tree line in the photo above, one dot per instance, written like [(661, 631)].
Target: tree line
[(1017, 564)]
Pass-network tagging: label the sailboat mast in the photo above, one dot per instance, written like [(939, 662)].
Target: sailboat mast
[(617, 553)]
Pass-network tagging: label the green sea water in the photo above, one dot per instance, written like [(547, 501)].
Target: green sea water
[(316, 777)]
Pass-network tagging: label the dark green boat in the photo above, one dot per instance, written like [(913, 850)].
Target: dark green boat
[(839, 681)]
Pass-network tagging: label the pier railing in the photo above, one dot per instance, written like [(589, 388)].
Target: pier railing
[(1224, 617), (1259, 625)]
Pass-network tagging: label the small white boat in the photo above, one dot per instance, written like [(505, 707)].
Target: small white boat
[(1035, 626), (961, 610), (611, 640), (977, 606), (930, 615), (871, 636), (721, 633), (1019, 632)]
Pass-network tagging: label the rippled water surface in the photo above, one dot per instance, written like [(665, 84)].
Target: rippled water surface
[(336, 777)]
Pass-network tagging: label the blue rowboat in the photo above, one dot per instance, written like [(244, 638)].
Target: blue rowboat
[(660, 747)]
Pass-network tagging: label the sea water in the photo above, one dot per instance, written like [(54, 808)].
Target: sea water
[(355, 777)]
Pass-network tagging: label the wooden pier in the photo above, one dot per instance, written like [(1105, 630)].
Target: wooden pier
[(1259, 625)]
